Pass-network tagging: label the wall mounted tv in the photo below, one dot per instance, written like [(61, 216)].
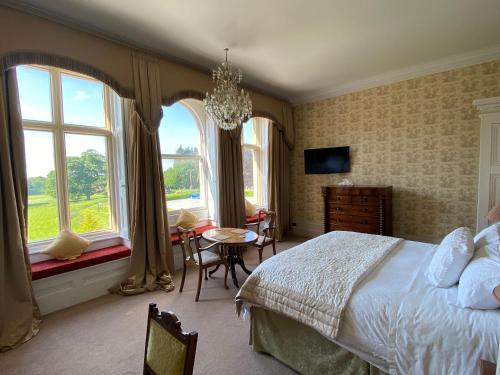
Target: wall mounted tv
[(327, 160)]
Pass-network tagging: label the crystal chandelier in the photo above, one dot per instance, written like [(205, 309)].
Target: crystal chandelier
[(227, 106)]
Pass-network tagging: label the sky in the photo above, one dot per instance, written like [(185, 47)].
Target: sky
[(83, 104)]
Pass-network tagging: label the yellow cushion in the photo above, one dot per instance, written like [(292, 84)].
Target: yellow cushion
[(249, 208), (165, 354), (67, 245), (186, 219)]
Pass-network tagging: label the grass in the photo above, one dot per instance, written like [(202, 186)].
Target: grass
[(85, 215), (181, 194)]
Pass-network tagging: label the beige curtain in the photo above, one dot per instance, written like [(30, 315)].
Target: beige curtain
[(231, 188), (152, 255), (281, 141), (19, 313)]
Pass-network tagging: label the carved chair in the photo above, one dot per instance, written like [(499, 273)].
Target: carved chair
[(168, 350), (202, 260), (267, 226)]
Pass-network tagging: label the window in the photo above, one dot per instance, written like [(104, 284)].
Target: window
[(68, 135), (181, 158), (255, 164)]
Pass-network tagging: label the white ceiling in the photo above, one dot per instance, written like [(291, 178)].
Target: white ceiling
[(297, 49)]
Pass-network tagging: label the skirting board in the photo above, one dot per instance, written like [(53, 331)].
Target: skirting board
[(71, 288)]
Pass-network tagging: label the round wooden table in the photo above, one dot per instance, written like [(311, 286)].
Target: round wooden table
[(232, 247)]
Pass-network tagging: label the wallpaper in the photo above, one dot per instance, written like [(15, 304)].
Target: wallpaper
[(420, 136)]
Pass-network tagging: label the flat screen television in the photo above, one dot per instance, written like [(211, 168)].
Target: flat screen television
[(327, 160)]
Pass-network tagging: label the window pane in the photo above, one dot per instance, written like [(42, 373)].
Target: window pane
[(249, 132), (83, 101), (248, 163), (87, 170), (182, 183), (43, 214), (179, 133), (34, 93)]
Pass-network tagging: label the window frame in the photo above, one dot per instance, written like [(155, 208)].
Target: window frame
[(59, 129), (200, 157), (257, 149)]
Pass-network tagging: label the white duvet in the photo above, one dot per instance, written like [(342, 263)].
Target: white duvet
[(400, 323)]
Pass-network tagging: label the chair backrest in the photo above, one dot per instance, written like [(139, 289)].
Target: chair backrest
[(169, 350), (185, 236), (268, 223)]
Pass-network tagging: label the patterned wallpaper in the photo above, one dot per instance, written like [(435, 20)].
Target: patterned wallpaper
[(421, 136)]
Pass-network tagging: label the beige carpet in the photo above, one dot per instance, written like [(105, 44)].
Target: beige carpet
[(106, 335)]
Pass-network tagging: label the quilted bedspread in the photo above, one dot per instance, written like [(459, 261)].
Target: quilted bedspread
[(312, 282)]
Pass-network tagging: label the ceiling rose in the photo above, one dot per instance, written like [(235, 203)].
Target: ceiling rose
[(228, 105)]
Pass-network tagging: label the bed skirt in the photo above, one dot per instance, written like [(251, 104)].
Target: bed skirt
[(302, 348)]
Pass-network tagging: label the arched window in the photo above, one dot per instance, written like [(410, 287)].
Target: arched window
[(255, 160), (180, 141), (68, 122)]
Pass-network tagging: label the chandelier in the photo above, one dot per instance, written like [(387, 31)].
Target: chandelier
[(227, 106)]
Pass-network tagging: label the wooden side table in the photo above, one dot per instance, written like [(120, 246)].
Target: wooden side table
[(232, 246)]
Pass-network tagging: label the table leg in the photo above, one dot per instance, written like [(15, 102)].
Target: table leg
[(241, 263), (210, 273)]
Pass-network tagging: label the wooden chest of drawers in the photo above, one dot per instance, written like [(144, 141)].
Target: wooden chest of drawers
[(366, 209)]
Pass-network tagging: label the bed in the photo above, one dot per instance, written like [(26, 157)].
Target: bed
[(393, 320)]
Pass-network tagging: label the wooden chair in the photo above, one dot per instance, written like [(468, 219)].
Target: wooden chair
[(267, 226), (203, 259), (169, 350)]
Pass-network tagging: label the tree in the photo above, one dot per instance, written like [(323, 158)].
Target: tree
[(50, 184), (86, 174), (36, 185), (90, 222), (184, 174)]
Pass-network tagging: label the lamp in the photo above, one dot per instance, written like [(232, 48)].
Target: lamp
[(494, 213), (227, 105)]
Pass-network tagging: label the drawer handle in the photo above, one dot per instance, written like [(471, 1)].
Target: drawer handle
[(365, 199), (365, 222), (366, 210), (338, 208), (339, 198)]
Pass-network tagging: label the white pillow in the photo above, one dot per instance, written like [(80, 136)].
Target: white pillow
[(450, 258), (487, 235), (480, 278), (67, 245), (186, 219), (249, 208)]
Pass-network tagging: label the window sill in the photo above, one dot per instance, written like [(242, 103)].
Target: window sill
[(99, 240)]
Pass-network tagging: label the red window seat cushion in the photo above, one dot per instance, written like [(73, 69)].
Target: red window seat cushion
[(174, 236), (53, 267), (254, 219)]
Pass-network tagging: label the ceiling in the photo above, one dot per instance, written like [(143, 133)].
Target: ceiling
[(298, 50)]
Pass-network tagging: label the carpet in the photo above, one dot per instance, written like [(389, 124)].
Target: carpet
[(106, 335)]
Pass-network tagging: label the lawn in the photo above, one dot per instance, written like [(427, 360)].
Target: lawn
[(86, 216)]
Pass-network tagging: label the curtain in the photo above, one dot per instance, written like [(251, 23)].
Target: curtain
[(211, 170), (152, 255), (231, 188), (281, 141), (19, 313)]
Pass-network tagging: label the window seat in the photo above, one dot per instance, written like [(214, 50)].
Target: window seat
[(53, 267), (253, 219), (174, 236)]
